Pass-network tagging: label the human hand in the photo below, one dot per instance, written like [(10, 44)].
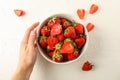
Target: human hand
[(28, 54)]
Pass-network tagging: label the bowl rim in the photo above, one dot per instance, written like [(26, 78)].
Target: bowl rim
[(67, 16)]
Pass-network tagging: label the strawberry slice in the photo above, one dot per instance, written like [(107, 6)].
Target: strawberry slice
[(67, 48), (93, 8), (79, 28), (81, 13), (70, 33), (56, 30), (87, 66), (18, 12), (90, 27)]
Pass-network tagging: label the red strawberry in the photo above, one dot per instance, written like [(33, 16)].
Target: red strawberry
[(45, 31), (56, 30), (65, 23), (53, 21), (18, 12), (90, 27), (72, 56), (57, 56), (80, 42), (87, 66), (60, 37), (43, 41), (79, 28), (81, 13), (50, 54), (51, 41), (70, 33), (93, 8), (67, 48)]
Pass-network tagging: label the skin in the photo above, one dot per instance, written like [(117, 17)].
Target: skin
[(28, 55)]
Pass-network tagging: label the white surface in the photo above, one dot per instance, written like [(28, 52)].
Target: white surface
[(103, 49)]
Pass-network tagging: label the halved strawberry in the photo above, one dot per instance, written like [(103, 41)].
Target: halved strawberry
[(43, 41), (67, 48), (93, 8), (80, 42), (56, 30), (87, 66), (81, 13), (45, 31), (90, 27), (18, 12), (79, 28), (51, 41), (70, 33)]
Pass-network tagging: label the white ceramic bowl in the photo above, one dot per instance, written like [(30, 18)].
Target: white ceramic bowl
[(42, 52)]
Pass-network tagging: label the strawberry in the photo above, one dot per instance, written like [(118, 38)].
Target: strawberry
[(18, 12), (43, 41), (60, 37), (51, 41), (80, 42), (53, 21), (65, 23), (58, 46), (81, 13), (56, 30), (93, 8), (67, 48), (50, 54), (87, 66), (90, 27), (70, 33), (72, 56), (79, 28), (45, 31), (57, 56)]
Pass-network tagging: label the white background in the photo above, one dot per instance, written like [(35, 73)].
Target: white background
[(103, 48)]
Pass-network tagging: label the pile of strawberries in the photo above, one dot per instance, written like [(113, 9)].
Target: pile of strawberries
[(61, 39)]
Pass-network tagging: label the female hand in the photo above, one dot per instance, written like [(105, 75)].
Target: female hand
[(28, 54)]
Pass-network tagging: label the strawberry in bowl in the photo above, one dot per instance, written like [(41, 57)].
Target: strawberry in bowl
[(61, 40)]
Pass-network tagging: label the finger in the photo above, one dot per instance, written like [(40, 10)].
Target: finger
[(28, 31), (31, 41)]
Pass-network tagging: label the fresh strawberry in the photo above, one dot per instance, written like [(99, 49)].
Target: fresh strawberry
[(18, 12), (52, 21), (67, 48), (56, 30), (79, 28), (65, 23), (58, 46), (70, 33), (87, 66), (72, 56), (52, 41), (60, 37), (81, 13), (43, 41), (45, 31), (50, 54), (57, 56), (93, 8), (90, 27), (80, 42)]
